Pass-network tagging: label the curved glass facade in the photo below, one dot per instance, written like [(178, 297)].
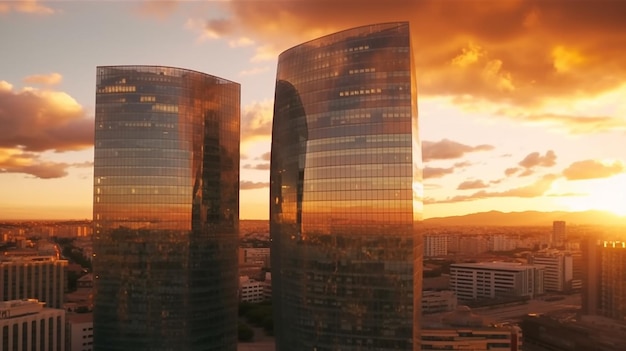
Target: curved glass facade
[(166, 209), (346, 193)]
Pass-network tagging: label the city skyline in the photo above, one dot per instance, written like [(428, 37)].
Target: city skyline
[(519, 100)]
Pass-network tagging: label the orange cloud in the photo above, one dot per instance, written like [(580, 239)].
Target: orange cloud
[(448, 149), (436, 172), (26, 6), (510, 171), (256, 120), (591, 169), (158, 9), (18, 161), (266, 156), (472, 184), (580, 124), (248, 185), (566, 59), (259, 166), (534, 159), (509, 51), (40, 120), (254, 71), (44, 79), (536, 189)]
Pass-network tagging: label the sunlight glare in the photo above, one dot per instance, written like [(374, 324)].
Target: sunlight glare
[(608, 194)]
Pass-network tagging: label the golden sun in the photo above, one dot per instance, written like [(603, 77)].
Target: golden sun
[(608, 194)]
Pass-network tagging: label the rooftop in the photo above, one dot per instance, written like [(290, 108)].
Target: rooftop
[(507, 266)]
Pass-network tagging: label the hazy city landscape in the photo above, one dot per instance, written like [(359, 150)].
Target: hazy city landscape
[(448, 241)]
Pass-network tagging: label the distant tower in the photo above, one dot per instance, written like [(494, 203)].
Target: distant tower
[(559, 235), (559, 270), (166, 210), (604, 286), (435, 245)]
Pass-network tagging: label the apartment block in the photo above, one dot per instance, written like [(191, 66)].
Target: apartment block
[(490, 280)]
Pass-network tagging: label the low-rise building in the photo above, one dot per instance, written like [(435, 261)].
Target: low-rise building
[(464, 330), (491, 280), (250, 290), (438, 301), (33, 277), (27, 325), (558, 265), (79, 332)]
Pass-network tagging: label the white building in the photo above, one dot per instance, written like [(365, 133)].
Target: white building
[(435, 245), (38, 277), (468, 245), (79, 332), (502, 242), (489, 280), (250, 290), (438, 301), (26, 325), (559, 269)]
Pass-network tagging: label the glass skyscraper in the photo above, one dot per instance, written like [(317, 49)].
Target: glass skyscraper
[(166, 209), (346, 193)]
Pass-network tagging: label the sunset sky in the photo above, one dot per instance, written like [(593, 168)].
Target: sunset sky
[(522, 104)]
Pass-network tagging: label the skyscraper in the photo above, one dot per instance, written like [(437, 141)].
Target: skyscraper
[(166, 209), (345, 193), (604, 285), (558, 233)]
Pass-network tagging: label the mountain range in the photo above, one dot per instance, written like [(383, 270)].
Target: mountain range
[(529, 218)]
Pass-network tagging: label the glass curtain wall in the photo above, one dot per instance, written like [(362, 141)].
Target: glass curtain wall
[(345, 193), (166, 209)]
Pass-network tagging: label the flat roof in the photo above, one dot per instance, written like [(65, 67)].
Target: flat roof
[(502, 266)]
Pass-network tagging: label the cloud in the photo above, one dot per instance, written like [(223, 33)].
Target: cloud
[(580, 124), (254, 71), (40, 120), (240, 42), (260, 166), (435, 172), (256, 120), (534, 159), (248, 185), (574, 124), (17, 161), (160, 9), (44, 79), (462, 164), (592, 169), (448, 149), (25, 6), (563, 49), (265, 157), (511, 171), (535, 189), (472, 184), (526, 172)]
